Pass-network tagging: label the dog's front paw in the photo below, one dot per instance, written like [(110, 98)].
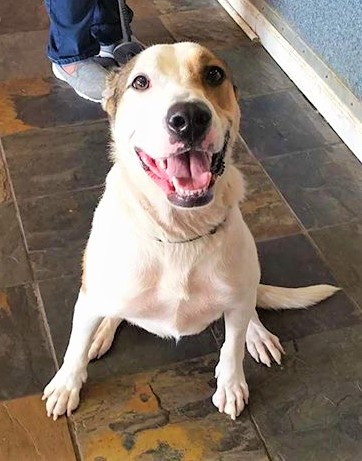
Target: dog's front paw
[(232, 393), (62, 393)]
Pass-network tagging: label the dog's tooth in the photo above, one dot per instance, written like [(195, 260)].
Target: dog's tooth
[(162, 164), (176, 183)]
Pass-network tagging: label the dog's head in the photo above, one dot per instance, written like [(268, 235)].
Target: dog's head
[(174, 116)]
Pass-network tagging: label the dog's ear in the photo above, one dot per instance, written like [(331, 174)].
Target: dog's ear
[(109, 94), (115, 87)]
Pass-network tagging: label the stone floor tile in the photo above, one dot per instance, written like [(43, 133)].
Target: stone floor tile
[(264, 209), (142, 9), (25, 357), (44, 162), (57, 220), (27, 434), (9, 120), (61, 261), (323, 186), (310, 408), (23, 55), (174, 6), (42, 103), (163, 415), (294, 262), (60, 106), (133, 350), (342, 249), (241, 154), (281, 123), (33, 16), (151, 31), (14, 265), (254, 71), (211, 27)]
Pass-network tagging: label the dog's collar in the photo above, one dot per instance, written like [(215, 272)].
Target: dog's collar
[(210, 232)]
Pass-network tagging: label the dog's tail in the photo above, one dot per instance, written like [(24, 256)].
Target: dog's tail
[(270, 297)]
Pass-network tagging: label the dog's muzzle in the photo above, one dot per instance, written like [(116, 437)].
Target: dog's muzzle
[(186, 178)]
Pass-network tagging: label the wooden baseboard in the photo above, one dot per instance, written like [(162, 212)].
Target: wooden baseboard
[(336, 103)]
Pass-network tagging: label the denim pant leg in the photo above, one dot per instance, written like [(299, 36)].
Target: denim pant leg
[(106, 26), (70, 37)]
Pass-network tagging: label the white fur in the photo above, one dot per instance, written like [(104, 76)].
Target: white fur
[(169, 289)]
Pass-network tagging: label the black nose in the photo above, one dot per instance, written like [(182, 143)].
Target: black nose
[(189, 121)]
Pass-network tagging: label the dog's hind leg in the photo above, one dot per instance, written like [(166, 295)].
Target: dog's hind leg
[(260, 342), (103, 337), (62, 393)]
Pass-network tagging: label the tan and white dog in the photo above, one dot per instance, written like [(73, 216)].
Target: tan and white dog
[(169, 250)]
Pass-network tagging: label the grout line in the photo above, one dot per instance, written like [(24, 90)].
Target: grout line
[(283, 199), (259, 433), (302, 151), (278, 237), (332, 226), (35, 284), (330, 268), (306, 232), (63, 193), (289, 89), (40, 304), (73, 438), (35, 129), (244, 97)]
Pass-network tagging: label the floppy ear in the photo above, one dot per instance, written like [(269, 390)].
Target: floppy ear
[(116, 85), (109, 94)]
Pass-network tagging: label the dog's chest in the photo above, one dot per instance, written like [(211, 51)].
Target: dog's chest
[(178, 305)]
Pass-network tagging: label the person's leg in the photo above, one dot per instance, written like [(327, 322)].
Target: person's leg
[(106, 27), (72, 47), (70, 37)]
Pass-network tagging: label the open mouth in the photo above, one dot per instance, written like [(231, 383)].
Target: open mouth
[(186, 178)]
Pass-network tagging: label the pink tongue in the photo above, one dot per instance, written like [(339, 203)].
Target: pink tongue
[(192, 169)]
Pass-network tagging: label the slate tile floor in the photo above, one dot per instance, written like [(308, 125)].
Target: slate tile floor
[(149, 399)]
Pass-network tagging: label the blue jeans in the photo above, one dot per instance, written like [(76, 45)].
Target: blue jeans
[(79, 27)]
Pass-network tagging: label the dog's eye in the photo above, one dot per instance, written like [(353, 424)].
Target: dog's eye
[(214, 75), (141, 82)]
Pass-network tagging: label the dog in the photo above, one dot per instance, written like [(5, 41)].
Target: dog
[(169, 250)]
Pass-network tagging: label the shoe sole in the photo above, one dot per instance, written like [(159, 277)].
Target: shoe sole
[(59, 76), (106, 54)]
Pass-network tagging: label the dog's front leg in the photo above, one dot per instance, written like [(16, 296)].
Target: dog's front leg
[(62, 393), (232, 391)]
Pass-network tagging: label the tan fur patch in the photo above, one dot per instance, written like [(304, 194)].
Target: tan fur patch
[(116, 86), (223, 97)]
